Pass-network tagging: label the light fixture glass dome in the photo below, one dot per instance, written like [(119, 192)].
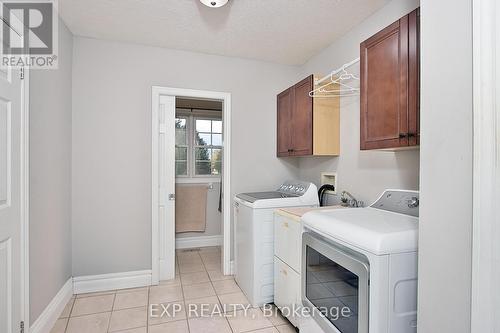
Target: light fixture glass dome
[(214, 3)]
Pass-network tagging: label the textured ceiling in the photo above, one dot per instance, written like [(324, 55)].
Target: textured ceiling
[(281, 31)]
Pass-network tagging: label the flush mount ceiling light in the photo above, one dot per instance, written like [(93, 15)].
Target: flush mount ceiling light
[(214, 3)]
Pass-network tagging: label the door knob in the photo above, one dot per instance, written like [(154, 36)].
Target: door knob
[(171, 197)]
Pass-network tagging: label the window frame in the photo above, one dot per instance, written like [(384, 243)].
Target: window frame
[(191, 144), (211, 146), (187, 146)]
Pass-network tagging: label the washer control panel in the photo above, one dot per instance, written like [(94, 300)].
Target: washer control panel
[(294, 188)]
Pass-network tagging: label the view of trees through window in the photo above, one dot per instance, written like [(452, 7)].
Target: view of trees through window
[(198, 146)]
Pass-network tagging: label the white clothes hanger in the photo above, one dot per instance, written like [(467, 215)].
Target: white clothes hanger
[(338, 77)]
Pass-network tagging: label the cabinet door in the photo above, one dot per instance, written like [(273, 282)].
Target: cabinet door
[(302, 113), (286, 290), (288, 241), (384, 88), (284, 123), (414, 77)]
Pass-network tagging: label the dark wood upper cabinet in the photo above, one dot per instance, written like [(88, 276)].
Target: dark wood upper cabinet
[(302, 118), (307, 126), (390, 86), (284, 118)]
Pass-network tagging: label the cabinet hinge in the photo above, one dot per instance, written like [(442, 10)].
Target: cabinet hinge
[(21, 327), (21, 73)]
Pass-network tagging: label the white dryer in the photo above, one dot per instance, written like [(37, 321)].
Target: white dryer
[(364, 261), (254, 235)]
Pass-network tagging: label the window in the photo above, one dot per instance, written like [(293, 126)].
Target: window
[(181, 147), (198, 146)]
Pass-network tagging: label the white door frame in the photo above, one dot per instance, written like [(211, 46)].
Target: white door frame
[(25, 182), (158, 91), (25, 190), (486, 179)]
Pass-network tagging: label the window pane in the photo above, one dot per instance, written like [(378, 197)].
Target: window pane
[(203, 139), (181, 168), (217, 126), (216, 168), (203, 154), (180, 123), (203, 125), (181, 153), (216, 155), (217, 139), (180, 137), (203, 168), (180, 131)]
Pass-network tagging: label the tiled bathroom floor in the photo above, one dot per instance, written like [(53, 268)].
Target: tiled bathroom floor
[(198, 281)]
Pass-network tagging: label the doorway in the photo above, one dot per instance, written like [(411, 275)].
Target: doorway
[(190, 169)]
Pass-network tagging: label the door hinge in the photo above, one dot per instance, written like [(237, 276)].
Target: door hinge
[(21, 73), (21, 327)]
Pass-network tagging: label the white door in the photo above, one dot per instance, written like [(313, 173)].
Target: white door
[(166, 181), (11, 202)]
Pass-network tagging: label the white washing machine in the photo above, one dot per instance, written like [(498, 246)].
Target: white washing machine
[(254, 235), (363, 260)]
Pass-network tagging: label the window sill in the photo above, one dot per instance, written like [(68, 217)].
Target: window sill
[(197, 180)]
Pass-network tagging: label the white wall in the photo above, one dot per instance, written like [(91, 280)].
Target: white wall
[(111, 196), (363, 173), (446, 167), (50, 177)]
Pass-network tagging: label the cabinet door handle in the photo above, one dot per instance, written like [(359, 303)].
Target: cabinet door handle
[(406, 135)]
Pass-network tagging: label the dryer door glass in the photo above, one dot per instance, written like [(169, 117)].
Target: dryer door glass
[(335, 283), (333, 290)]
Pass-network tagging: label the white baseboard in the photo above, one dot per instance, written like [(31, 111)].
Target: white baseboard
[(201, 241), (104, 282), (232, 267), (53, 311)]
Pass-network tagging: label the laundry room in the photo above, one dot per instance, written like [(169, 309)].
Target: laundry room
[(234, 166)]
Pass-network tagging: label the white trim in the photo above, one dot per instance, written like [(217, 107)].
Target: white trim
[(112, 281), (25, 190), (486, 178), (200, 241), (226, 174), (155, 253), (24, 302), (201, 180), (53, 311), (166, 235), (231, 268), (227, 206)]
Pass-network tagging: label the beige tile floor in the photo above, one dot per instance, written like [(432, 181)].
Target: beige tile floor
[(198, 280)]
